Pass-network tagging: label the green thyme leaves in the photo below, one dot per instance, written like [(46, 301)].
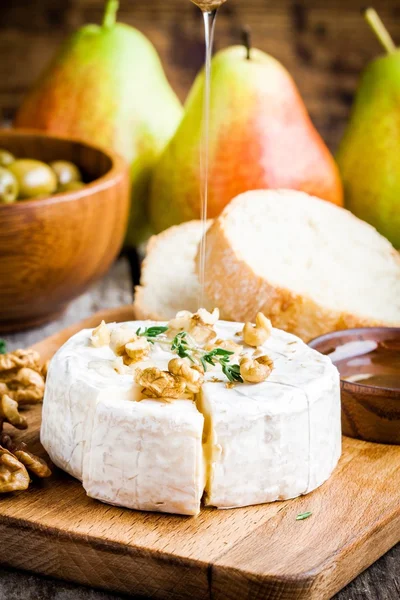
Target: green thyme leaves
[(303, 516), (180, 345), (151, 332), (232, 372), (221, 356), (185, 347)]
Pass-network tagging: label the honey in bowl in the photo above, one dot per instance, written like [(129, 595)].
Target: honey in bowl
[(368, 360)]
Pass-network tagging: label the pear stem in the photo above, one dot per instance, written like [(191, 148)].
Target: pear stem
[(110, 13), (375, 22), (246, 39)]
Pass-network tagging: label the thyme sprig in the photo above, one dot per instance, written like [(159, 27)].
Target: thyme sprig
[(303, 516), (185, 347), (181, 345), (150, 333), (221, 356)]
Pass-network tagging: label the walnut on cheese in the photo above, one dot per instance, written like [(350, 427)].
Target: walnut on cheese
[(101, 335), (193, 375), (256, 335), (160, 384), (120, 337), (256, 370), (126, 343), (199, 325), (180, 381), (138, 349)]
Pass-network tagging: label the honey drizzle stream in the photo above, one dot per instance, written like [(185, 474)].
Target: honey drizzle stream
[(209, 26)]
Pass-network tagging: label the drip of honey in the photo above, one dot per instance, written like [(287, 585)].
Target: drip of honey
[(209, 9)]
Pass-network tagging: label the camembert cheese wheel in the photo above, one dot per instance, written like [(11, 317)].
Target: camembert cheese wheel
[(231, 445)]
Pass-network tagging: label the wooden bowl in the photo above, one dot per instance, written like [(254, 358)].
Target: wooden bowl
[(369, 412), (53, 248)]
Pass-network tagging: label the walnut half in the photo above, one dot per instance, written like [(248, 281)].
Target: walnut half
[(34, 464), (160, 384), (256, 370), (13, 475), (22, 376), (9, 413), (26, 386), (200, 325), (192, 375), (18, 359), (132, 347), (100, 335), (256, 335)]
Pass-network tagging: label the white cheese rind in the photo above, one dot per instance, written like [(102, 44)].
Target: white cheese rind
[(263, 442), (278, 439), (144, 455)]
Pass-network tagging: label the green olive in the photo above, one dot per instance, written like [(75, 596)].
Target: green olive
[(71, 186), (8, 187), (6, 158), (66, 172), (34, 177)]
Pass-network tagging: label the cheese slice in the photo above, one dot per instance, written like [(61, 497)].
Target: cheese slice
[(249, 444)]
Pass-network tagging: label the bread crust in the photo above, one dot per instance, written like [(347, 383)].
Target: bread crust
[(237, 290)]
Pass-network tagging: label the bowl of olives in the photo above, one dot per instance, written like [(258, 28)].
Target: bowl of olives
[(63, 213)]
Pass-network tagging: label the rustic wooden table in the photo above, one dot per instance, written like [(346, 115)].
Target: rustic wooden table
[(379, 582)]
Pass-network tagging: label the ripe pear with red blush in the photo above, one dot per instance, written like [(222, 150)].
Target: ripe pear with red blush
[(260, 136)]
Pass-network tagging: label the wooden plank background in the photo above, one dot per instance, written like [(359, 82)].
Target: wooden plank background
[(324, 43)]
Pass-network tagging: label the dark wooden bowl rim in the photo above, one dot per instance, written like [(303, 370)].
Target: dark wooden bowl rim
[(351, 386), (118, 165)]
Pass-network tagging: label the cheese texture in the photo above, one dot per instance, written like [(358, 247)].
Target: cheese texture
[(248, 444)]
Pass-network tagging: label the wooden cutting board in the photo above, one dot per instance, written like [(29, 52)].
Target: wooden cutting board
[(259, 552)]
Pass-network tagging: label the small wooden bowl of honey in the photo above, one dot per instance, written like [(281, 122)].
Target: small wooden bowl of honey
[(368, 360)]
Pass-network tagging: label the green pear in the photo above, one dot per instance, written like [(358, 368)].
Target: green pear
[(107, 86), (369, 153), (260, 136)]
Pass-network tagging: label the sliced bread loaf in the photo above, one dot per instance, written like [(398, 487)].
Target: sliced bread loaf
[(310, 266), (169, 282)]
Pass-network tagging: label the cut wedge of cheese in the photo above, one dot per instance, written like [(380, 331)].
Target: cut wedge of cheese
[(145, 455), (308, 265), (240, 445)]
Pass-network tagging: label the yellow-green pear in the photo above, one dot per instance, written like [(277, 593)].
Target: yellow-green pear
[(369, 154)]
